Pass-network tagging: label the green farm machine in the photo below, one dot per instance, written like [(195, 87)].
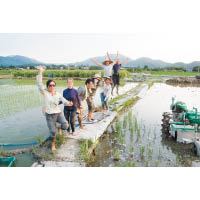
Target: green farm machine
[(182, 124)]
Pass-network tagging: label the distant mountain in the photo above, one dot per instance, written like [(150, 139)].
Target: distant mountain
[(131, 63), (193, 64), (99, 59), (140, 62), (17, 61)]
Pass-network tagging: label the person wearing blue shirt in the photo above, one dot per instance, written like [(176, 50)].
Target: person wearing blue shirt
[(71, 95), (115, 76)]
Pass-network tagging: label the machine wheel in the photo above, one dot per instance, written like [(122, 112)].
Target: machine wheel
[(196, 148), (165, 123)]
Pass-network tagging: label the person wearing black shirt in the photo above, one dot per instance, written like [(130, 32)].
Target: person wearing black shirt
[(115, 76)]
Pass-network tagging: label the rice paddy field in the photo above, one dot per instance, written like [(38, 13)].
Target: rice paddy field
[(20, 103), (21, 120), (135, 138)]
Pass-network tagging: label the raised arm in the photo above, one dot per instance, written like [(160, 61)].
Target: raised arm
[(117, 56), (109, 56), (97, 63), (40, 85), (125, 61)]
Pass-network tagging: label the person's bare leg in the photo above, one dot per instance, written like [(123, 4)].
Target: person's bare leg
[(53, 146), (89, 116), (68, 131), (81, 126), (59, 130), (117, 89)]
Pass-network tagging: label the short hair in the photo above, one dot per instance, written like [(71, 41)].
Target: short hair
[(70, 79), (48, 82), (88, 81)]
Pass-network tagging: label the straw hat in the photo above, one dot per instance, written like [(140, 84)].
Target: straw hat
[(110, 62), (107, 77), (97, 76)]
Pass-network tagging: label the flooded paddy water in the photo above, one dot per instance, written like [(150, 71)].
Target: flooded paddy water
[(135, 138), (21, 119)]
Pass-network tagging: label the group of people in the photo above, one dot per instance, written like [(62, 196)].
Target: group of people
[(75, 100)]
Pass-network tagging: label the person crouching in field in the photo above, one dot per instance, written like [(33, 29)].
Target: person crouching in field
[(115, 76), (71, 94), (83, 93), (106, 93), (52, 111)]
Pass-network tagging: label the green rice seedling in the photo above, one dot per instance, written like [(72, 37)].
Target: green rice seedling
[(116, 154), (177, 160), (126, 164), (132, 131), (118, 127), (150, 84), (157, 163), (147, 162), (130, 117), (130, 102), (117, 98), (142, 151), (132, 149), (121, 137), (150, 152), (138, 132), (125, 121)]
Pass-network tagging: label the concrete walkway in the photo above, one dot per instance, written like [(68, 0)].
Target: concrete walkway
[(68, 155)]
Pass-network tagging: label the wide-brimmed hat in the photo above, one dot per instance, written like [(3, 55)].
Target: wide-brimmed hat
[(107, 77), (104, 62), (97, 76)]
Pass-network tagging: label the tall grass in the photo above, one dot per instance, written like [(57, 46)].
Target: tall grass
[(65, 73)]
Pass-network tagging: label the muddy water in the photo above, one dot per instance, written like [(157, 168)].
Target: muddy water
[(137, 140), (26, 125)]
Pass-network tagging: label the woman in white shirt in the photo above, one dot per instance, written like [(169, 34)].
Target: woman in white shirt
[(52, 99), (107, 66)]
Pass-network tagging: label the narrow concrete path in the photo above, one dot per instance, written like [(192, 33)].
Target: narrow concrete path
[(68, 155)]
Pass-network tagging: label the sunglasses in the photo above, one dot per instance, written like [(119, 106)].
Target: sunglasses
[(52, 85)]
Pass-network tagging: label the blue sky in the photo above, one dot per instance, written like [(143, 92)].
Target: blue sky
[(65, 48)]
